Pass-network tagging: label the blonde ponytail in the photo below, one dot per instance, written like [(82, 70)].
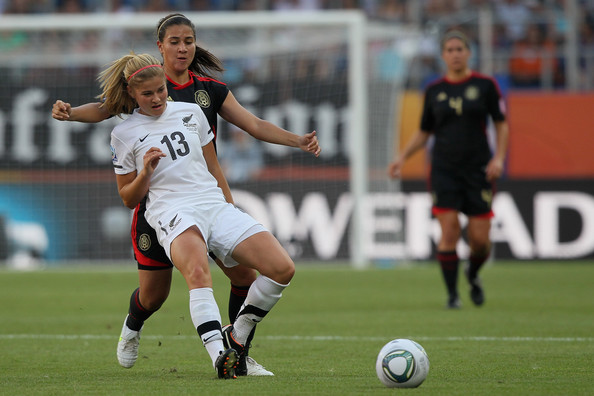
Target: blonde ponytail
[(130, 69)]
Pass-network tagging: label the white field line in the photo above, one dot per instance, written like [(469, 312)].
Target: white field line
[(298, 338)]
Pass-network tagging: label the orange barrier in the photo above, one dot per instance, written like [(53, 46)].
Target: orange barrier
[(410, 118), (551, 135)]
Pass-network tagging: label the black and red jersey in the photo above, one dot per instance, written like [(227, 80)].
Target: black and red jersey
[(207, 92), (457, 114)]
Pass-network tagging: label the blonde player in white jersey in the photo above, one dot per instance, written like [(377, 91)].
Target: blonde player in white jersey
[(165, 149)]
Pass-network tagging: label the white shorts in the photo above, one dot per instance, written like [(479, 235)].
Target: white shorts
[(223, 227)]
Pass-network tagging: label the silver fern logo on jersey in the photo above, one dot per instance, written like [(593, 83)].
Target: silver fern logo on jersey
[(144, 242), (202, 98)]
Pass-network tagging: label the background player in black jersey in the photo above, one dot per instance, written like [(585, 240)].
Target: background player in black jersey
[(187, 67), (463, 168)]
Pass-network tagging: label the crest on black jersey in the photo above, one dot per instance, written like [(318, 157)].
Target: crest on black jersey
[(472, 92), (202, 98)]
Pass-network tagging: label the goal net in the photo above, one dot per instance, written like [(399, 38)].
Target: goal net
[(329, 71)]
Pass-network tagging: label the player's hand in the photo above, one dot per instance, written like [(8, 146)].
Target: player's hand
[(61, 110), (151, 159), (494, 169), (309, 143), (395, 169)]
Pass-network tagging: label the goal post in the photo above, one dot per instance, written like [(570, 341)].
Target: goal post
[(302, 71)]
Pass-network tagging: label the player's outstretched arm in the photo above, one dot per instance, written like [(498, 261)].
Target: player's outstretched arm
[(89, 112), (266, 131)]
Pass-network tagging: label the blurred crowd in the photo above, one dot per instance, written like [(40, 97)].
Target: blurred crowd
[(529, 39), (515, 13)]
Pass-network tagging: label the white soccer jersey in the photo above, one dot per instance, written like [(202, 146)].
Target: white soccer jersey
[(182, 177)]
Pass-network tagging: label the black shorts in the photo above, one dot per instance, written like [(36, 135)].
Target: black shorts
[(463, 190), (149, 254)]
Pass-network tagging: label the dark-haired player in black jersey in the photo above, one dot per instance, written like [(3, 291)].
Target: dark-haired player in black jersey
[(187, 67), (463, 168)]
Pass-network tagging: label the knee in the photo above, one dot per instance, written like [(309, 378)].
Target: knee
[(480, 248), (479, 244), (285, 272), (281, 271), (450, 234), (197, 276), (154, 301)]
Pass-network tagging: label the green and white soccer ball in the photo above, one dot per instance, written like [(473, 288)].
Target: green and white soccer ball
[(402, 363)]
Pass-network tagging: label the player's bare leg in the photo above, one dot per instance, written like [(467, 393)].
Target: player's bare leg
[(264, 253), (241, 278), (480, 249), (188, 254), (447, 255)]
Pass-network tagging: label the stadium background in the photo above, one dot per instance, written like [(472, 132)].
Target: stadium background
[(58, 200)]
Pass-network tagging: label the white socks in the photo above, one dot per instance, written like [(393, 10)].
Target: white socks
[(263, 294), (207, 320)]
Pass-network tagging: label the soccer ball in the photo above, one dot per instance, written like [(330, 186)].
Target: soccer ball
[(402, 363)]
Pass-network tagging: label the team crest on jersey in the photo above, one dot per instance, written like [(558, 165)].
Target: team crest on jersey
[(190, 123), (144, 242), (472, 93), (202, 98), (441, 96)]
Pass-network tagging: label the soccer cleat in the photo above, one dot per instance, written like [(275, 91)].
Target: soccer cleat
[(242, 369), (246, 365), (256, 369), (128, 346), (229, 342), (226, 363), (477, 295), (453, 303)]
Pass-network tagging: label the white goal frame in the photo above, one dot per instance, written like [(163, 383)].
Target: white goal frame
[(356, 26)]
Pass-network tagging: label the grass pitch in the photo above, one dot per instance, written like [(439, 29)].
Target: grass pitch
[(534, 336)]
